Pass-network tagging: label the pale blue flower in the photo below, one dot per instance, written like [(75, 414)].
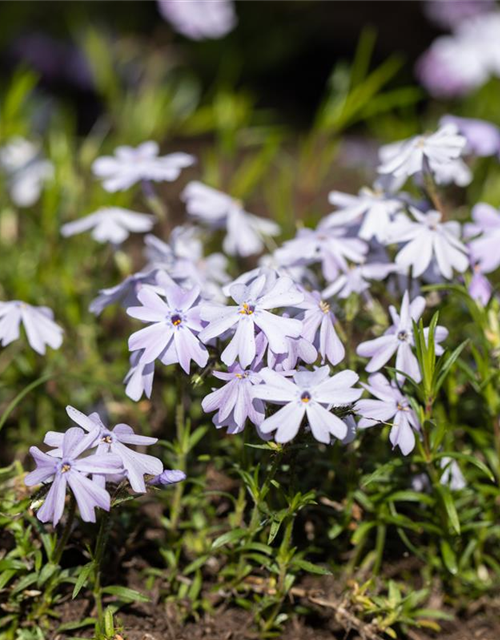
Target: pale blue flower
[(114, 442), (68, 468), (38, 322), (234, 402), (398, 339), (309, 394), (172, 335), (392, 407), (130, 165), (252, 312)]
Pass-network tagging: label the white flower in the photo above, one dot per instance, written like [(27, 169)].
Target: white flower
[(130, 165), (310, 394), (26, 171), (373, 208), (356, 279), (41, 330), (428, 238), (199, 19), (330, 247), (245, 232), (422, 153), (110, 224)]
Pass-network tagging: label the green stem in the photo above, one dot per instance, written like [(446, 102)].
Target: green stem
[(100, 546), (63, 540), (254, 520)]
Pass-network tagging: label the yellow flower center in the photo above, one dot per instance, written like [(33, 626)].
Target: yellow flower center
[(246, 309)]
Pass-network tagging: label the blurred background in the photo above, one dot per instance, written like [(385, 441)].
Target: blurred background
[(282, 52)]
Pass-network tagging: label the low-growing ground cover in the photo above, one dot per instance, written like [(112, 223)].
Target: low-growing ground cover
[(249, 375)]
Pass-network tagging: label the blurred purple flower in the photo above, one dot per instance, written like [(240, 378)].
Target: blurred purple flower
[(245, 232), (38, 322), (480, 287), (451, 13), (357, 279), (234, 401), (125, 293), (456, 65), (429, 239), (183, 259), (172, 336), (25, 169), (130, 165), (398, 338), (68, 468), (451, 68), (110, 224), (390, 406), (373, 209), (318, 327), (452, 475), (308, 394), (267, 291), (199, 19), (483, 138), (486, 233)]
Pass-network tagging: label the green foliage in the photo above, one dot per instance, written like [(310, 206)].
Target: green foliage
[(253, 519)]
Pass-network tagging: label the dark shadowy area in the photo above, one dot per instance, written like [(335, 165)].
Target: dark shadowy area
[(283, 52)]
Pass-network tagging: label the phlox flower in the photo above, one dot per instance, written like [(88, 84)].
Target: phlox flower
[(328, 246), (452, 67), (452, 476), (252, 312), (113, 442), (68, 468), (124, 293), (130, 165), (234, 402), (390, 406), (318, 327), (308, 394), (480, 288), (167, 477), (453, 172), (356, 279), (429, 238), (175, 323), (464, 61), (110, 224), (298, 350), (486, 233), (398, 339), (245, 232), (422, 153), (483, 138), (139, 379), (452, 13), (184, 260), (38, 322), (26, 171), (373, 209), (200, 19)]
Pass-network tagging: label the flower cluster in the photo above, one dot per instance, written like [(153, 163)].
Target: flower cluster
[(87, 458), (272, 335)]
